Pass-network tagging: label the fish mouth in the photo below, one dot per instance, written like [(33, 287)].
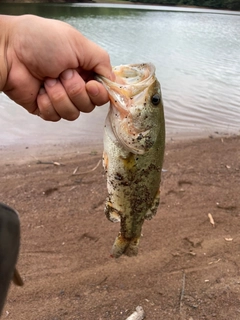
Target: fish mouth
[(134, 73), (130, 84)]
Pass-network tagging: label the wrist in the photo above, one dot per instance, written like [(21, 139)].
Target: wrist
[(4, 27)]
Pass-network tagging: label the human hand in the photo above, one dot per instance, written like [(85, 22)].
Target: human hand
[(49, 67)]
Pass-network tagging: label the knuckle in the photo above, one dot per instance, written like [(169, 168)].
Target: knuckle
[(75, 90), (44, 104), (57, 96), (46, 111), (107, 57)]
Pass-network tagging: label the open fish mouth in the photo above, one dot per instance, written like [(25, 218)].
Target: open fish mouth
[(135, 73), (131, 83), (130, 74)]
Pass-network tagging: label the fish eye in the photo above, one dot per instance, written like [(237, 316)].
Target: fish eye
[(155, 99)]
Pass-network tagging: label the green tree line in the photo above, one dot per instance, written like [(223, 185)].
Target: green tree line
[(213, 4)]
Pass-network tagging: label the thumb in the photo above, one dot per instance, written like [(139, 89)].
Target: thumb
[(96, 59)]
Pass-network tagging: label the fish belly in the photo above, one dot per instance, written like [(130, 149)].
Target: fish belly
[(133, 192)]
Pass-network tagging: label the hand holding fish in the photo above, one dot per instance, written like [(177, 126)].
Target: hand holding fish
[(48, 67)]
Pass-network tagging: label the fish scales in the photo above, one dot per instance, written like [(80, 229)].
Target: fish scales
[(134, 142)]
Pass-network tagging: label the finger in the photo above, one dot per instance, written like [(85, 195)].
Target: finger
[(75, 87), (45, 109), (96, 59), (97, 93), (60, 99)]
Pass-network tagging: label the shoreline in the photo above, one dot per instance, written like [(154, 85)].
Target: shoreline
[(25, 152), (125, 2)]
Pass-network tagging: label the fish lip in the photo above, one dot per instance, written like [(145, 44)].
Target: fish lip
[(120, 94), (128, 84)]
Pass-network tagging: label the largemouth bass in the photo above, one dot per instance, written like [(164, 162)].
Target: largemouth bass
[(134, 141)]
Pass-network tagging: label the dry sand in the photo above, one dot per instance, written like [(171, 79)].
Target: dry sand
[(186, 268)]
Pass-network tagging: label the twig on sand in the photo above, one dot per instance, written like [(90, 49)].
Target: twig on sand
[(211, 219), (75, 171), (182, 292), (137, 315), (50, 162), (84, 172)]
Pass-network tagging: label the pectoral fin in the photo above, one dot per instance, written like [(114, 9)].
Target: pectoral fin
[(111, 213)]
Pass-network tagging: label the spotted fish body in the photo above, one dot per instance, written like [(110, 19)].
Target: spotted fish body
[(134, 140)]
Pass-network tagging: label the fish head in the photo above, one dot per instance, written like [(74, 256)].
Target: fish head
[(136, 107)]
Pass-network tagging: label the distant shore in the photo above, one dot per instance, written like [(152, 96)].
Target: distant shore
[(112, 2)]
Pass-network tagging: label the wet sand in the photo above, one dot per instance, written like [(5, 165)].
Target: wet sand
[(186, 268)]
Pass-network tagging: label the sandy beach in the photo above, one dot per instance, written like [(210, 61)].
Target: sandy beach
[(187, 267)]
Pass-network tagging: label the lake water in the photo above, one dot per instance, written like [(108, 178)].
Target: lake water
[(197, 57)]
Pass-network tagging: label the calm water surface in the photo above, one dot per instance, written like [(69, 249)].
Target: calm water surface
[(197, 58)]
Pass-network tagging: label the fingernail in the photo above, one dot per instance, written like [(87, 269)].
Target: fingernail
[(42, 91), (93, 91), (67, 74), (50, 82)]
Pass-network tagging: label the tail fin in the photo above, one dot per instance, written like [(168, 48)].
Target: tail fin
[(129, 247)]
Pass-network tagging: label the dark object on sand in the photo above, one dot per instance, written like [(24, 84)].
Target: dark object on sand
[(9, 248)]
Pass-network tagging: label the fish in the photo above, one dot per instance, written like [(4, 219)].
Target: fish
[(134, 143)]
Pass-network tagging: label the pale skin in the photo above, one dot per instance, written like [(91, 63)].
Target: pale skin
[(48, 67)]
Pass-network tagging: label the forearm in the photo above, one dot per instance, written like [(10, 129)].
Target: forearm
[(4, 36)]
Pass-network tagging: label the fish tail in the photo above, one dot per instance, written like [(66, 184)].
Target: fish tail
[(129, 247)]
